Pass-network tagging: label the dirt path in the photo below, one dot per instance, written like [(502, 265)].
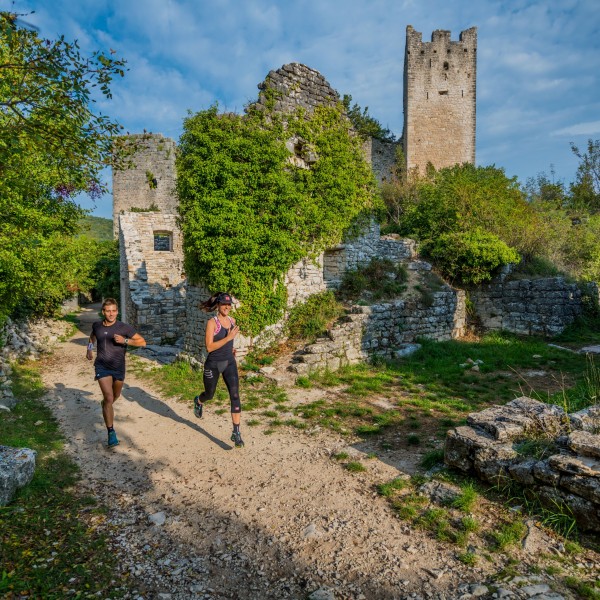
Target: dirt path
[(277, 519)]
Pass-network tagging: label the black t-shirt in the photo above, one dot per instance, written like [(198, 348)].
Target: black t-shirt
[(111, 355)]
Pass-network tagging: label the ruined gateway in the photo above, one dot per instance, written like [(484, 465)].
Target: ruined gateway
[(439, 127)]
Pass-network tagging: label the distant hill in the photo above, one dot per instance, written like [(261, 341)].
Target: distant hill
[(97, 228)]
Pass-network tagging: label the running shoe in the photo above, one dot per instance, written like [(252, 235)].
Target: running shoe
[(112, 439), (236, 438), (198, 407)]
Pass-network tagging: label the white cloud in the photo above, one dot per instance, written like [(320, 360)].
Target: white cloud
[(589, 128)]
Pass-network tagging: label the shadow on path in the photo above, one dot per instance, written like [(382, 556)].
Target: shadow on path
[(153, 404)]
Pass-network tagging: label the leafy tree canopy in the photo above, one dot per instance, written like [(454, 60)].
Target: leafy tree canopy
[(258, 193), (52, 146)]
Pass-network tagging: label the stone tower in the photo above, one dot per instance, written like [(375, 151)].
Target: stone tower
[(439, 99), (149, 184)]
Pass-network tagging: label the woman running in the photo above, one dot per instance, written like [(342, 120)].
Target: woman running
[(220, 333)]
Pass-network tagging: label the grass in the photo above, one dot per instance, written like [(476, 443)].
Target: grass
[(49, 541), (355, 467), (509, 534), (467, 498)]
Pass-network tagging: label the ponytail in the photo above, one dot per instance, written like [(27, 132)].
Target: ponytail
[(211, 304)]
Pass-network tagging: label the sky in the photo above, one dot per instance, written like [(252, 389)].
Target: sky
[(538, 70)]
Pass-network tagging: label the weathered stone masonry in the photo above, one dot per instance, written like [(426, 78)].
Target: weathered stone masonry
[(439, 99), (528, 307), (567, 474), (153, 286)]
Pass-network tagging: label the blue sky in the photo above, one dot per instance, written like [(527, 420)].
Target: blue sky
[(538, 72)]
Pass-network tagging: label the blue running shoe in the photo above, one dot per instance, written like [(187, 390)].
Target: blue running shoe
[(198, 407), (112, 439), (236, 438)]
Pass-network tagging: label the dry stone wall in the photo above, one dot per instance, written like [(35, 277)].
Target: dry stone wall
[(357, 252), (152, 277), (439, 99), (493, 445), (385, 330), (528, 307)]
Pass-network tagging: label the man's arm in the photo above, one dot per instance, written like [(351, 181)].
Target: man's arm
[(90, 347), (135, 340)]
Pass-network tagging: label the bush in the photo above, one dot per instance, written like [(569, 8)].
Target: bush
[(309, 320), (381, 277), (470, 257)]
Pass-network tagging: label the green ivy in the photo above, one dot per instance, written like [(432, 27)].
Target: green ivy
[(248, 213)]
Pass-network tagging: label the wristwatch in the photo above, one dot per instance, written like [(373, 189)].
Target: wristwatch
[(126, 341)]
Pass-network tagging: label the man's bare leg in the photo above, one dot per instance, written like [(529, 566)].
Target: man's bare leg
[(111, 390)]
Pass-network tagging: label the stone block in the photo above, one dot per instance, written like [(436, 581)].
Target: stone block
[(585, 443), (17, 466), (576, 465)]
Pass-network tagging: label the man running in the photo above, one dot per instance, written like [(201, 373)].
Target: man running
[(112, 338)]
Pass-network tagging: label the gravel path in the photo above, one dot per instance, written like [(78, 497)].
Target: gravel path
[(192, 517)]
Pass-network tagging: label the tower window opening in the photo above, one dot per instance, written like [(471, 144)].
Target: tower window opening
[(422, 51), (163, 241), (446, 66), (443, 92), (449, 51), (465, 50)]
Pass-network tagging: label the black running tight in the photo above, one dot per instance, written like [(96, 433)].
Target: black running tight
[(228, 368)]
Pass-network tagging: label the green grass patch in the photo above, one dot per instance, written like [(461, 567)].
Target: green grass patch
[(468, 558), (467, 498), (432, 459), (48, 542), (391, 487), (509, 534), (355, 467)]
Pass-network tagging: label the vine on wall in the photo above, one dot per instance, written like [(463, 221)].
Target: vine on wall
[(248, 213)]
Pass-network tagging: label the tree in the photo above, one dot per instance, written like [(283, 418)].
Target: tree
[(364, 123), (585, 191), (52, 147)]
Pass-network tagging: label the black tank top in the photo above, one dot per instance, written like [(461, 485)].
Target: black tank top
[(225, 352)]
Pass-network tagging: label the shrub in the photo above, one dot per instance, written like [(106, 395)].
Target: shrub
[(470, 257), (309, 320), (381, 278)]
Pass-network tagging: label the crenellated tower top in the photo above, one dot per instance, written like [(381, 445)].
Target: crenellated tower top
[(439, 99)]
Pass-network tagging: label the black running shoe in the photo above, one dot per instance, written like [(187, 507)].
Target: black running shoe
[(236, 438), (198, 407)]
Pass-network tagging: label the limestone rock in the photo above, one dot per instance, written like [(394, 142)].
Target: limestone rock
[(17, 466)]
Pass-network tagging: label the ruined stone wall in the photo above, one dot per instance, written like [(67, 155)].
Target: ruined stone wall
[(382, 157), (152, 275), (493, 445), (528, 307), (360, 250), (297, 86), (439, 99), (384, 330), (150, 183)]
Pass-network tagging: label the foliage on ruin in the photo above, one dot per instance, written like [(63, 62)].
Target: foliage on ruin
[(52, 147), (380, 278), (470, 257), (364, 123), (312, 318), (250, 208)]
